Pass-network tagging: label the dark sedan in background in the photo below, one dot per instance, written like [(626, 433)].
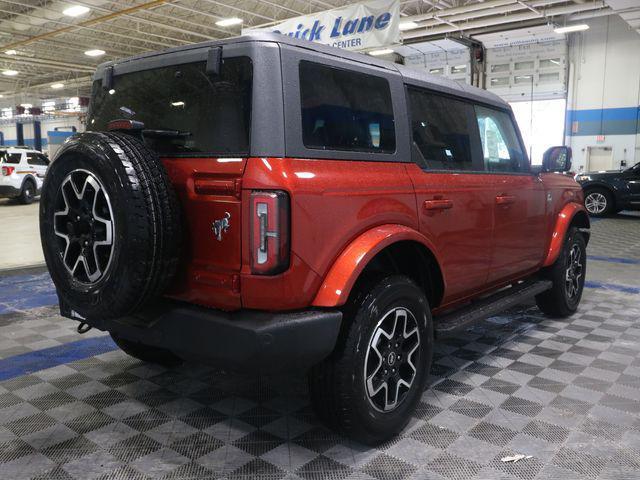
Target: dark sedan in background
[(611, 191)]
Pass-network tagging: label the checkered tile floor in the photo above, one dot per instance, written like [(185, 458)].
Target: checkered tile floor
[(565, 392)]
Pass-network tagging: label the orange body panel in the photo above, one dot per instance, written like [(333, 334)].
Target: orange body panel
[(560, 231), (483, 229)]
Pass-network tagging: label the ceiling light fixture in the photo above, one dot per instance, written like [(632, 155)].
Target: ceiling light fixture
[(11, 52), (228, 22), (383, 51), (572, 28), (408, 25), (75, 11), (57, 86), (10, 73), (94, 53)]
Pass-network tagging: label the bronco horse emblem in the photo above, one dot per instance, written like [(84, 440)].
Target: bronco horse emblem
[(221, 226)]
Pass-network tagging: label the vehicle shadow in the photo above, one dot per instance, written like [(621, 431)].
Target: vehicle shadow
[(15, 202)]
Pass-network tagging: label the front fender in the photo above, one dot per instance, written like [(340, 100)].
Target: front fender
[(563, 222), (344, 272)]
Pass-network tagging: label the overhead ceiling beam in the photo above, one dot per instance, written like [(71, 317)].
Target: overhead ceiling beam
[(86, 23), (52, 63), (90, 30), (503, 19), (136, 18)]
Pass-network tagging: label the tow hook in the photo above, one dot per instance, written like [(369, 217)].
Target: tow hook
[(84, 328)]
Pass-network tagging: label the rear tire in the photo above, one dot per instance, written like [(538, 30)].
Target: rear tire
[(369, 386), (109, 225), (599, 202), (28, 192), (568, 276), (146, 353)]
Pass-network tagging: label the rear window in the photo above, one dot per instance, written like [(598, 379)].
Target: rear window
[(345, 110), (10, 157), (191, 112)]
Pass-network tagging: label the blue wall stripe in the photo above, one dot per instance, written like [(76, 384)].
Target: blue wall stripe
[(628, 261), (27, 363), (595, 115), (612, 286), (607, 121), (27, 142)]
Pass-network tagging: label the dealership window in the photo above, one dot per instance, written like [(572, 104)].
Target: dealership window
[(442, 130), (500, 145), (345, 110)]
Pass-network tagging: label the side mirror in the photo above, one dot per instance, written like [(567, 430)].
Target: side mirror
[(557, 159)]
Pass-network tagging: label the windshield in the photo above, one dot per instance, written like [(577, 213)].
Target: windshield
[(635, 167), (185, 111)]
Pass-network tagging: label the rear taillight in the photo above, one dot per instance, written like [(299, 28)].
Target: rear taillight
[(269, 232), (6, 171)]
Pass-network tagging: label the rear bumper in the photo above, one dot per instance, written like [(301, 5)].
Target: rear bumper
[(243, 340)]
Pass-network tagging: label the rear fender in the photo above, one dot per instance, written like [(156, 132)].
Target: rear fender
[(344, 272), (565, 219)]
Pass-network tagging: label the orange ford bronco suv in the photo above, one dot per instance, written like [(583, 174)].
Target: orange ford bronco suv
[(267, 203)]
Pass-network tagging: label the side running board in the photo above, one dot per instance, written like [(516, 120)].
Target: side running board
[(489, 306)]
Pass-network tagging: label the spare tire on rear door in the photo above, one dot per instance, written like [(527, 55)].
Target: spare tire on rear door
[(109, 225)]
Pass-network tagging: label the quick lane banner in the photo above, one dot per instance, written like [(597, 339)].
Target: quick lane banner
[(356, 27)]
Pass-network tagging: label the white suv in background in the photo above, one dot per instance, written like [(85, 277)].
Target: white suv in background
[(22, 172)]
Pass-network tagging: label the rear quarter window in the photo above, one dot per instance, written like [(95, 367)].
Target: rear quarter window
[(345, 110), (12, 158)]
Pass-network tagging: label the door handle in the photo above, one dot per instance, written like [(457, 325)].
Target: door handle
[(505, 199), (440, 204)]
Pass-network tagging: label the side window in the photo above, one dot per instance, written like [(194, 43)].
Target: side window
[(345, 110), (442, 130), (13, 158), (44, 160), (500, 146), (35, 159)]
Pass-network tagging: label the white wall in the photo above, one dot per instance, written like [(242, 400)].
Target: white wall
[(604, 91)]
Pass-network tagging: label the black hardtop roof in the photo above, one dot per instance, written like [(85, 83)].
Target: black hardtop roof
[(411, 76)]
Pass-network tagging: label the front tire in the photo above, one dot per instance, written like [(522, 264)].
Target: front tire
[(568, 276), (369, 386), (28, 192)]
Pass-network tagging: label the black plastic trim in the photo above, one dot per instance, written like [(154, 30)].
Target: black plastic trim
[(245, 340)]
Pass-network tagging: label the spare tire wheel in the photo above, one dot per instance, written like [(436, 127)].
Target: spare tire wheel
[(109, 225)]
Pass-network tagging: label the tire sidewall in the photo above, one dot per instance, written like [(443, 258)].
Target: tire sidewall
[(28, 184), (396, 292), (609, 198), (90, 155), (574, 238)]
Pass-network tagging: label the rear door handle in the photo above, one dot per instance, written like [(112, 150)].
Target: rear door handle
[(505, 199), (440, 204)]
